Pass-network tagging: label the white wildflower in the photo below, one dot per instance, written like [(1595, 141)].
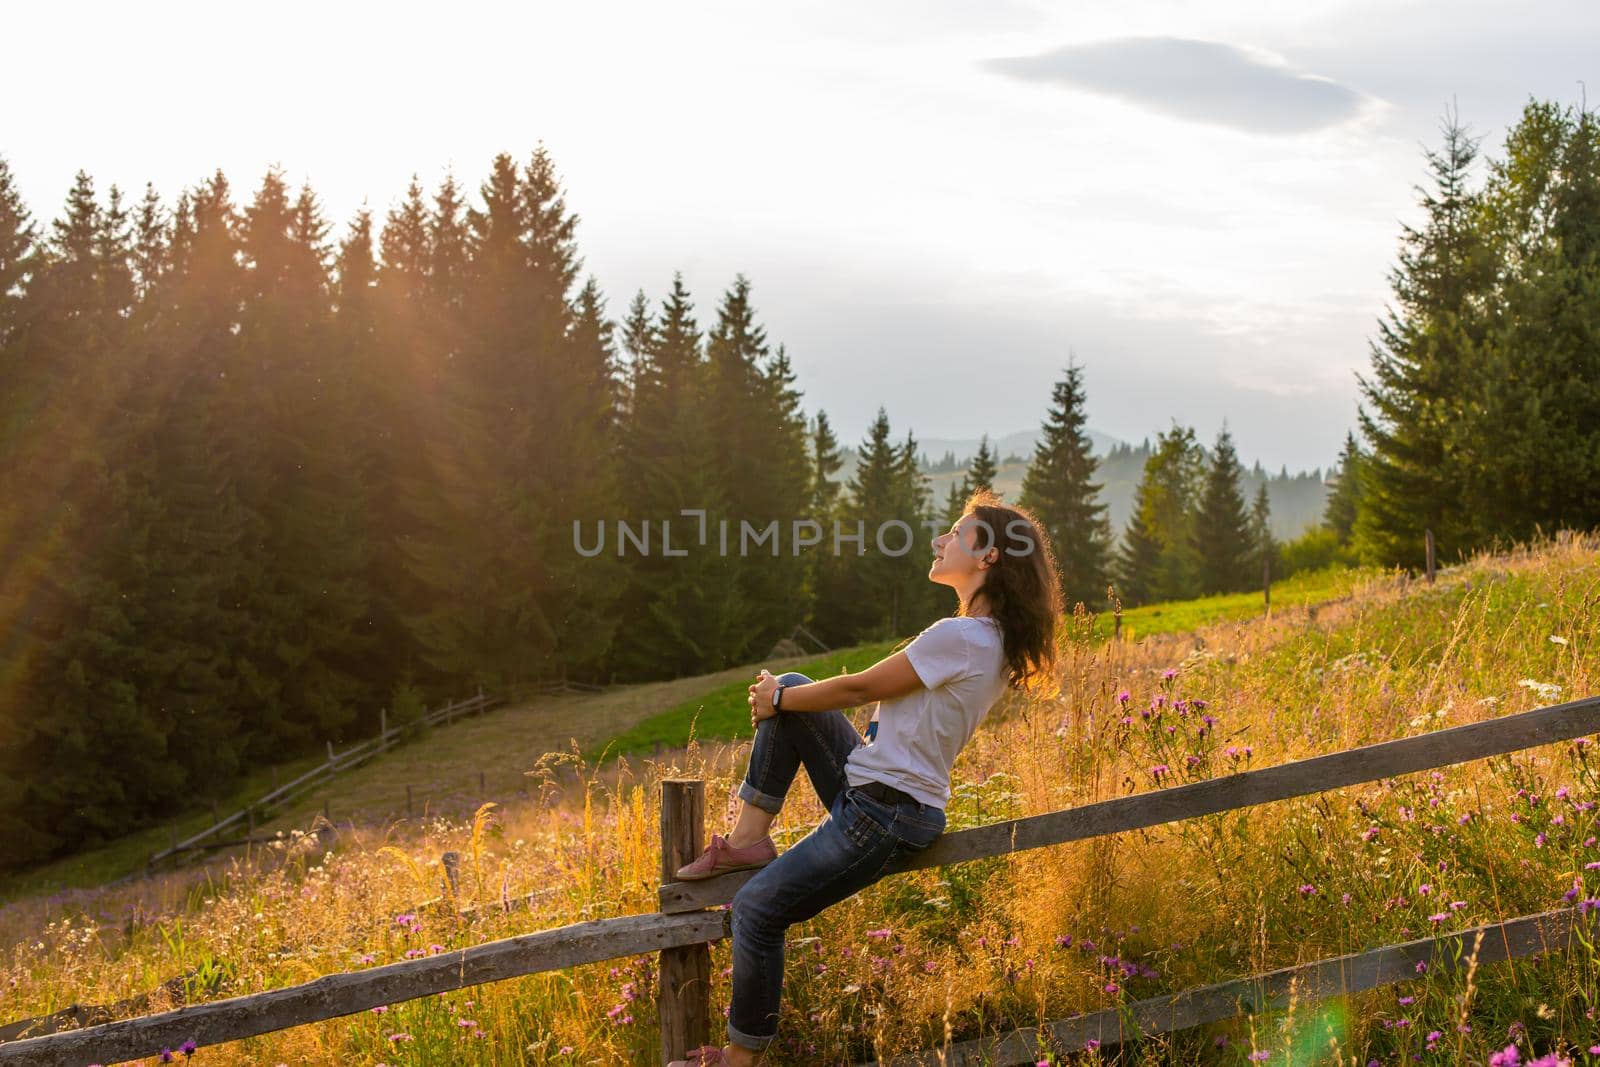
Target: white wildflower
[(1542, 690)]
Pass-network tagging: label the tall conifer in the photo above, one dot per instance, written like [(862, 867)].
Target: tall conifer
[(1060, 488)]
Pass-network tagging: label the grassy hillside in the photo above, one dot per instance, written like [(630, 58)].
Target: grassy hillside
[(1009, 941)]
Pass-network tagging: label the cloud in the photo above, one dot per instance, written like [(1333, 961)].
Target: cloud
[(1201, 81)]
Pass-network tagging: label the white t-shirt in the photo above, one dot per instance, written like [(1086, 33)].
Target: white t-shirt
[(961, 661)]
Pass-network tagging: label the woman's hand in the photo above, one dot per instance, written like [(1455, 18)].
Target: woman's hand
[(761, 697)]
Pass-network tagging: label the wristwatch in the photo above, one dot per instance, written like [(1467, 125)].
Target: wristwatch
[(777, 695)]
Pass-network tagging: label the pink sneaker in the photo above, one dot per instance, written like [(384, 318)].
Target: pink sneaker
[(704, 1056), (721, 857)]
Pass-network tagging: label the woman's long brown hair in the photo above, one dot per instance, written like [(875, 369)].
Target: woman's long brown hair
[(1022, 589)]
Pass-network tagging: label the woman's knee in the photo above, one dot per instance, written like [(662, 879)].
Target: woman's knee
[(750, 915), (793, 678)]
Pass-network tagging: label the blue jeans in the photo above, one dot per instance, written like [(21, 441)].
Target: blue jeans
[(846, 852)]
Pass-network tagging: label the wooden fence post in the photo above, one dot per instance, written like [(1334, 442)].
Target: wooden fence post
[(1428, 534), (383, 729), (684, 998), (1266, 580), (451, 862)]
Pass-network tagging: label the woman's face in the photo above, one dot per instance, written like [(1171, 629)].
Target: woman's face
[(956, 555)]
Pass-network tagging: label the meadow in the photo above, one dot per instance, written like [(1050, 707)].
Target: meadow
[(999, 943)]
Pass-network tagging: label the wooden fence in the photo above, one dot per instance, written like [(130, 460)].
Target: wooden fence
[(336, 764), (683, 928)]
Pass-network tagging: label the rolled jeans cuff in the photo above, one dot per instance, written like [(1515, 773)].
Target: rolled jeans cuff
[(765, 801), (749, 1041)]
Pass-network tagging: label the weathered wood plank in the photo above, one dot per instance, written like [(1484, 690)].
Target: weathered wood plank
[(345, 994), (81, 1015), (1370, 763), (1551, 931)]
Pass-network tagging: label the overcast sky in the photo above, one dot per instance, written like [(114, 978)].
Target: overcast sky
[(936, 202)]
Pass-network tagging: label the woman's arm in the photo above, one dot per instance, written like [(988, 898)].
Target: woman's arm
[(890, 677)]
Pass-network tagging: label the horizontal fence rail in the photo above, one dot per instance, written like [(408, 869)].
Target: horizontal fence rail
[(335, 764), (679, 925), (1370, 763), (1550, 931), (345, 994)]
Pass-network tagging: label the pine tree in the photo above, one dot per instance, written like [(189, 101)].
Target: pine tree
[(914, 601), (18, 261), (1529, 437), (411, 353), (1221, 530), (1344, 502), (758, 455), (528, 404), (582, 604), (981, 474), (1425, 350), (1174, 478), (1060, 488), (150, 243), (824, 496), (77, 745), (172, 677), (863, 585), (293, 392), (682, 616), (638, 332), (1139, 558), (825, 463), (955, 503), (1263, 547)]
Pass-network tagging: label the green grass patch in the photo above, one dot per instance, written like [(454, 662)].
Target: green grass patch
[(724, 712), (1179, 616)]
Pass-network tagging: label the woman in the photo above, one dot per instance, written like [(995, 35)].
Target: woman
[(885, 796)]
